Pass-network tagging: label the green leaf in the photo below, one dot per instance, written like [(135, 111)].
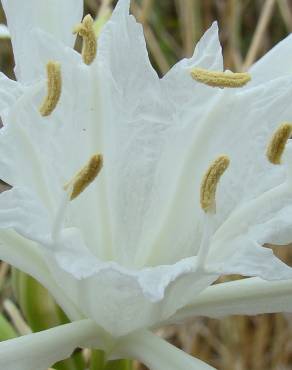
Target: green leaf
[(6, 329)]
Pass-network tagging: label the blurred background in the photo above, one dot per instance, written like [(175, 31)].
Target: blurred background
[(248, 29)]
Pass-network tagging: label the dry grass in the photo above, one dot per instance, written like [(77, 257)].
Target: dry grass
[(248, 28)]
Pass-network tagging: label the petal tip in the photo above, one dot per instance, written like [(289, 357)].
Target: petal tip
[(122, 8)]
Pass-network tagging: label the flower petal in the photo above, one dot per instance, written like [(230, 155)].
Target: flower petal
[(76, 122), (274, 64), (253, 115), (242, 297), (41, 350), (10, 91), (71, 270), (129, 87), (237, 244), (55, 17), (249, 118), (156, 353), (27, 257), (19, 211), (52, 162), (79, 280), (248, 258), (141, 297), (180, 88), (187, 103), (141, 129), (120, 35)]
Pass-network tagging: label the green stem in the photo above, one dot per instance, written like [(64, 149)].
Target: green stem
[(98, 362), (75, 362), (6, 330), (119, 365)]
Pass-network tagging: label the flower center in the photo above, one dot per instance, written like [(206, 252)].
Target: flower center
[(220, 79), (54, 88), (86, 31)]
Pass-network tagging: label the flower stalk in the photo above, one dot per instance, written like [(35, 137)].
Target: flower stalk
[(6, 329)]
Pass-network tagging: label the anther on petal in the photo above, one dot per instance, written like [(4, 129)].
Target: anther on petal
[(54, 88), (278, 142), (86, 31), (220, 79), (85, 176), (210, 182)]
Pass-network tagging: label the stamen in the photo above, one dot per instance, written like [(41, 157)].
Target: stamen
[(86, 31), (59, 218), (54, 88), (205, 245), (210, 182), (278, 142), (85, 176), (220, 79)]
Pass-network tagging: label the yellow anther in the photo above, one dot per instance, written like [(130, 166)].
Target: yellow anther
[(220, 79), (86, 31), (54, 88), (85, 176), (278, 142), (210, 182)]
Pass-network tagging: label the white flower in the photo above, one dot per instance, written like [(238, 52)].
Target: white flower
[(135, 249)]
